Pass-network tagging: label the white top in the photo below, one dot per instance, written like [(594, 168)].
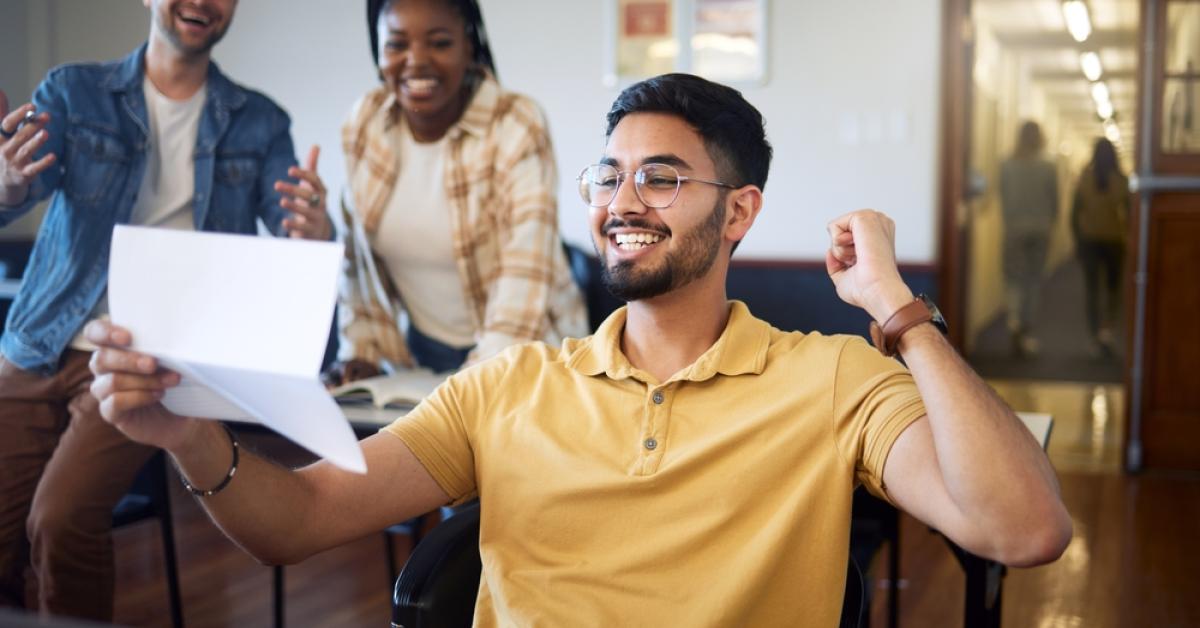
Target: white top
[(169, 183), (416, 246)]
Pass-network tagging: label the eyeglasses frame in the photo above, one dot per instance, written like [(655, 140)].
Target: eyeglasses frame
[(637, 189)]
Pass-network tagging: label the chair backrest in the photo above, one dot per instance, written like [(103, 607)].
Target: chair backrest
[(585, 269), (147, 497), (853, 602), (440, 581)]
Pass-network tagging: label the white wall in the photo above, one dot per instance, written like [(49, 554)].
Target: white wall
[(16, 80), (851, 98), (313, 58), (14, 48), (851, 104)]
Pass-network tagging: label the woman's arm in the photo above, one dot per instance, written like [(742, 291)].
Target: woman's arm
[(526, 190)]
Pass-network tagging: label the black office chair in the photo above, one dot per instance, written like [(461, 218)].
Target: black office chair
[(438, 584), (440, 581), (413, 528), (148, 497)]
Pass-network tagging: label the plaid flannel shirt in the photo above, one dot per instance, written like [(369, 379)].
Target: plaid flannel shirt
[(500, 181)]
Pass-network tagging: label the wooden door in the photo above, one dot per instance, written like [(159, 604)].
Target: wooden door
[(1164, 374)]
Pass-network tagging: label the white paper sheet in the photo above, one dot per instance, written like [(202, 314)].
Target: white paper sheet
[(244, 319)]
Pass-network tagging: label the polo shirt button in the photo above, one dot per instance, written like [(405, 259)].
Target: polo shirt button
[(658, 398), (651, 444)]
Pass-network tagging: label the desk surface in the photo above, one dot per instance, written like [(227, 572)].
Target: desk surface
[(1038, 423), (367, 418)]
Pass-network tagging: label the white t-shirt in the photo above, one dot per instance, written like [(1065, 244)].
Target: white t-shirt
[(169, 183), (416, 246)]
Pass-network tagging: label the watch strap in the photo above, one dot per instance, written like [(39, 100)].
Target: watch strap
[(886, 337)]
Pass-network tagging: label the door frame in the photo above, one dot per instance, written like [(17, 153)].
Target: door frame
[(958, 60)]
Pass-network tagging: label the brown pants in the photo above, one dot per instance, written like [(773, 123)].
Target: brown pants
[(62, 469)]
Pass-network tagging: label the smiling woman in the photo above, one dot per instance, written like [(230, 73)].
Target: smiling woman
[(450, 219)]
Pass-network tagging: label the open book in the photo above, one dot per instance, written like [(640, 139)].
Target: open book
[(402, 389), (244, 320)]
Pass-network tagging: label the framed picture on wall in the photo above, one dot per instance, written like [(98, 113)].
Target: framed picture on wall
[(721, 40), (646, 39)]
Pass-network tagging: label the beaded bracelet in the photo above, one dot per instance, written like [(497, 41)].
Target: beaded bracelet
[(228, 476)]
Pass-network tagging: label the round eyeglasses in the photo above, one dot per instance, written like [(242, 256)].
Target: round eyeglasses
[(656, 185)]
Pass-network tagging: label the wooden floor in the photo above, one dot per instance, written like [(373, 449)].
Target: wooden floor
[(1133, 562)]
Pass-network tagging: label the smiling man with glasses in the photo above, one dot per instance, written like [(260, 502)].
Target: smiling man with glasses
[(688, 464)]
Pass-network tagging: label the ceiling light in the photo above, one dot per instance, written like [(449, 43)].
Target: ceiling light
[(1112, 132), (1079, 23), (1104, 109), (1090, 63), (1099, 92)]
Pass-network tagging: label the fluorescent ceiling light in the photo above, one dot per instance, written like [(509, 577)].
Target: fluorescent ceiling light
[(1112, 132), (1079, 23), (1104, 109), (1089, 62), (1099, 92)]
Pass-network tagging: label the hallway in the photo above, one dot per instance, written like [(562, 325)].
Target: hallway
[(1062, 332)]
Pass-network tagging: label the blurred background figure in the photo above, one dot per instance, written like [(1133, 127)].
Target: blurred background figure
[(1029, 198), (1099, 218)]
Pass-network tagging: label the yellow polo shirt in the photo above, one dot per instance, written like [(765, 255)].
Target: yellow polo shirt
[(720, 497)]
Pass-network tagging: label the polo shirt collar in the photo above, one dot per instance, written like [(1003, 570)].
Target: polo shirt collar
[(741, 349)]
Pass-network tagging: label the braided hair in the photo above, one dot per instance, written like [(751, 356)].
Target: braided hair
[(472, 18)]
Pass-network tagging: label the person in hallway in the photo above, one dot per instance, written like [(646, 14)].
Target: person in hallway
[(450, 217), (1099, 221), (1029, 201), (159, 138), (687, 465)]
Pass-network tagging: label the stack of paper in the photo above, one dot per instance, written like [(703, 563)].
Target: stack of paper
[(244, 319)]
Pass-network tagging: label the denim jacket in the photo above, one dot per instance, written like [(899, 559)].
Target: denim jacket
[(99, 131)]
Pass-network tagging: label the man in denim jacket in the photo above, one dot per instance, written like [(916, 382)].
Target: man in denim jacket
[(159, 138)]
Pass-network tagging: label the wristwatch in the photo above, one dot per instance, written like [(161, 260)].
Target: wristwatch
[(922, 310)]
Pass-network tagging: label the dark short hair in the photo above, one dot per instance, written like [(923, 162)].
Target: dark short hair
[(1030, 140), (732, 129), (472, 18)]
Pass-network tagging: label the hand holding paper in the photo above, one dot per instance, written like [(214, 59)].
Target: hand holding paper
[(129, 386), (244, 320)]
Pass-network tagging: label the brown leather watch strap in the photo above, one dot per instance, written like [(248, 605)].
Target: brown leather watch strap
[(887, 337)]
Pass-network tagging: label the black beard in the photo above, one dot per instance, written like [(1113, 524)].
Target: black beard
[(624, 285), (698, 250)]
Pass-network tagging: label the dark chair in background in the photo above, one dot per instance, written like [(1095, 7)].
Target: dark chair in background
[(854, 603), (876, 523), (440, 581), (149, 498), (585, 269)]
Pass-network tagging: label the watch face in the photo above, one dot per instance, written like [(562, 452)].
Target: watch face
[(938, 321)]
